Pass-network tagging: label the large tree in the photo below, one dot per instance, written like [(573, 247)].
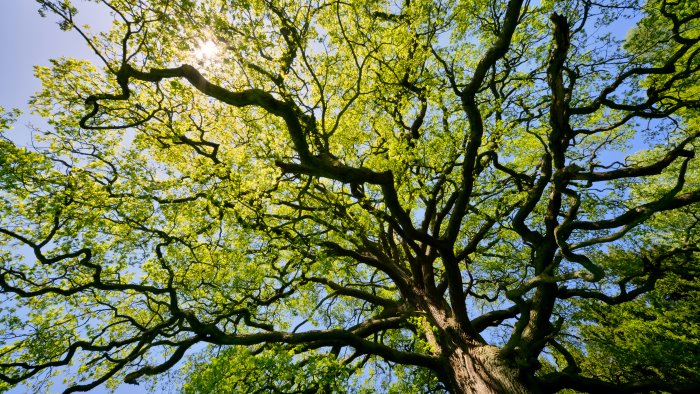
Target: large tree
[(480, 196)]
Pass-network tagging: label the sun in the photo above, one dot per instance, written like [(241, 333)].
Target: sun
[(206, 50)]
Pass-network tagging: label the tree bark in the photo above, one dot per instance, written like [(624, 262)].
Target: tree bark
[(470, 365), (479, 370)]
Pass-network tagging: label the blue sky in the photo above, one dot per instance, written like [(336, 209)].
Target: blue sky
[(27, 39)]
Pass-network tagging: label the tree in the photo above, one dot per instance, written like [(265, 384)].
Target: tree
[(419, 195)]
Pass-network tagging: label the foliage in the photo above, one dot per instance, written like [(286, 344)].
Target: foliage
[(654, 336), (360, 196)]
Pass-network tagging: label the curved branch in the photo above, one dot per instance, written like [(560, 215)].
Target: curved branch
[(650, 169), (354, 293), (324, 338)]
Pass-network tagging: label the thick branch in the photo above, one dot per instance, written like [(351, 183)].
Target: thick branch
[(555, 382), (494, 318)]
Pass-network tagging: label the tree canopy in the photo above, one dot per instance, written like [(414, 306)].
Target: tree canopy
[(473, 196)]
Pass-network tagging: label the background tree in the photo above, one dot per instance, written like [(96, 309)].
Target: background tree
[(425, 195)]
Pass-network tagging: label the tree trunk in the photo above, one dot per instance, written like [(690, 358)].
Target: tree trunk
[(478, 370)]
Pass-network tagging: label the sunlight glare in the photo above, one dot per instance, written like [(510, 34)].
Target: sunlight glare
[(206, 51)]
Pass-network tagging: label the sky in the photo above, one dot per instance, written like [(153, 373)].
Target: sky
[(26, 40)]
